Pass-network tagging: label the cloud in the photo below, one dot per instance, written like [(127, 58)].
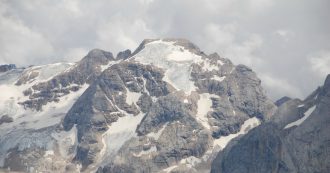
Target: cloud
[(20, 44), (274, 37), (75, 54), (284, 34), (321, 63), (119, 34), (224, 37), (279, 87)]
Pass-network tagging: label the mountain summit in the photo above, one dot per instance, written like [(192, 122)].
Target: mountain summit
[(165, 107)]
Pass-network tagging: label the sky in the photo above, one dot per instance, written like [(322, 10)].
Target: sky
[(287, 43)]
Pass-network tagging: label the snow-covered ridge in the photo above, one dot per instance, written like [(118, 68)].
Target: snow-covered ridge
[(43, 73), (176, 61), (12, 94)]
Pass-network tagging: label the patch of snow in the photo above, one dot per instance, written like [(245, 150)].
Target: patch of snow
[(208, 154), (299, 106), (111, 63), (169, 169), (11, 76), (8, 100), (217, 78), (301, 120), (65, 140), (118, 133), (49, 153), (204, 105), (191, 161), (185, 101), (158, 133), (207, 66), (247, 125), (220, 62), (174, 59), (132, 97), (46, 72), (154, 99)]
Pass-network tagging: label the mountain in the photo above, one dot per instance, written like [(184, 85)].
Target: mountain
[(165, 107), (296, 139)]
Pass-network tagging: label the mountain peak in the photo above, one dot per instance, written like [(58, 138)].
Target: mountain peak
[(174, 56), (327, 82), (175, 41), (98, 53)]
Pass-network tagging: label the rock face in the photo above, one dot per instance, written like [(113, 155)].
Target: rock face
[(85, 71), (296, 139), (166, 107), (7, 67), (282, 100)]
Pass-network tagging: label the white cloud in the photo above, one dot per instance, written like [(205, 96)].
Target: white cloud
[(119, 34), (75, 54), (260, 5), (245, 53), (277, 87), (72, 6), (321, 63), (284, 34), (21, 45), (224, 39)]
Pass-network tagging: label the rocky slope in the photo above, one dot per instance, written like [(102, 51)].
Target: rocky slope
[(166, 107), (296, 139)]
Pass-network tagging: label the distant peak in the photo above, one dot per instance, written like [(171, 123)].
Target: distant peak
[(327, 81), (98, 53), (7, 67), (124, 54), (176, 41), (282, 100)]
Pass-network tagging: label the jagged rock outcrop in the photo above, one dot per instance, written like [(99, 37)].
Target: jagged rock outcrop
[(282, 100), (7, 67), (295, 140), (70, 79)]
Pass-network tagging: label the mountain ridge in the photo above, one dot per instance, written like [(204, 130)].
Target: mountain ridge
[(165, 107)]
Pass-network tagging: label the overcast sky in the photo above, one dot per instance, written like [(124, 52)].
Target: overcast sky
[(287, 42)]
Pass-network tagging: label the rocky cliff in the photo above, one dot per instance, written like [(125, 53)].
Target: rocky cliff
[(296, 139)]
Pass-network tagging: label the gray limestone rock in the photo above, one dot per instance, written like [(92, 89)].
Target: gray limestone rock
[(282, 100), (277, 146), (124, 54), (7, 67), (85, 71)]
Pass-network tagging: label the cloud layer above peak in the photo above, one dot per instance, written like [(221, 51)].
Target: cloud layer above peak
[(286, 42)]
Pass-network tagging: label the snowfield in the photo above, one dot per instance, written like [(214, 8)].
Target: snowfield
[(301, 120)]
